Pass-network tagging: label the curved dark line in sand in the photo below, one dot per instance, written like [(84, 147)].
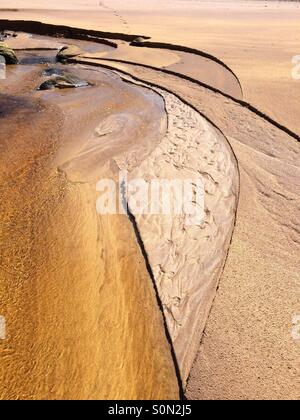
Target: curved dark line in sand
[(40, 28), (199, 83), (36, 49), (181, 48), (9, 10), (139, 237), (97, 36), (150, 85), (159, 302)]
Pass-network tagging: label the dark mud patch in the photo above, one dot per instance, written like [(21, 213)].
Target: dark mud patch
[(10, 104)]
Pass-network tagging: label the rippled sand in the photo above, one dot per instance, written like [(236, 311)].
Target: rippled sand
[(228, 289)]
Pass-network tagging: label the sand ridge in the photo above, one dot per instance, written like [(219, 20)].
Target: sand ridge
[(187, 256), (275, 153)]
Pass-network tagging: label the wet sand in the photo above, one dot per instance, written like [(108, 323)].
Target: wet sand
[(82, 317), (114, 124), (257, 39), (245, 348)]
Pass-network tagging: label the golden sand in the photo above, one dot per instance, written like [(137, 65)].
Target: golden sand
[(82, 317), (247, 350)]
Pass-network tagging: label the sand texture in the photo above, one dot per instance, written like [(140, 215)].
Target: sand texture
[(257, 39), (82, 317), (138, 306), (266, 258), (187, 254)]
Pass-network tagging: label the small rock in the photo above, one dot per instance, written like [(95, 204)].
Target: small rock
[(48, 85), (138, 40), (8, 54), (69, 52), (63, 82)]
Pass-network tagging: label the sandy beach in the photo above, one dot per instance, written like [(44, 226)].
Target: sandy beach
[(150, 306)]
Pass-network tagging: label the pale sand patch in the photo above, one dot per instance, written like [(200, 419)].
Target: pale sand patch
[(209, 72), (148, 56), (194, 66), (187, 256)]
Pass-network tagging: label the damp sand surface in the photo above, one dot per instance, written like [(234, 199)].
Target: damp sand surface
[(82, 317)]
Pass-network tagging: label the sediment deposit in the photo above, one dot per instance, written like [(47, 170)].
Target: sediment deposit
[(227, 288)]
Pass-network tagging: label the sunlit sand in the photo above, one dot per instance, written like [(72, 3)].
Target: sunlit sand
[(149, 306)]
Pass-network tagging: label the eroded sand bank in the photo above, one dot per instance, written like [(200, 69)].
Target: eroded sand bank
[(186, 253), (248, 351), (98, 136)]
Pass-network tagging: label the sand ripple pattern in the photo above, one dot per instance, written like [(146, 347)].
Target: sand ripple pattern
[(187, 259)]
